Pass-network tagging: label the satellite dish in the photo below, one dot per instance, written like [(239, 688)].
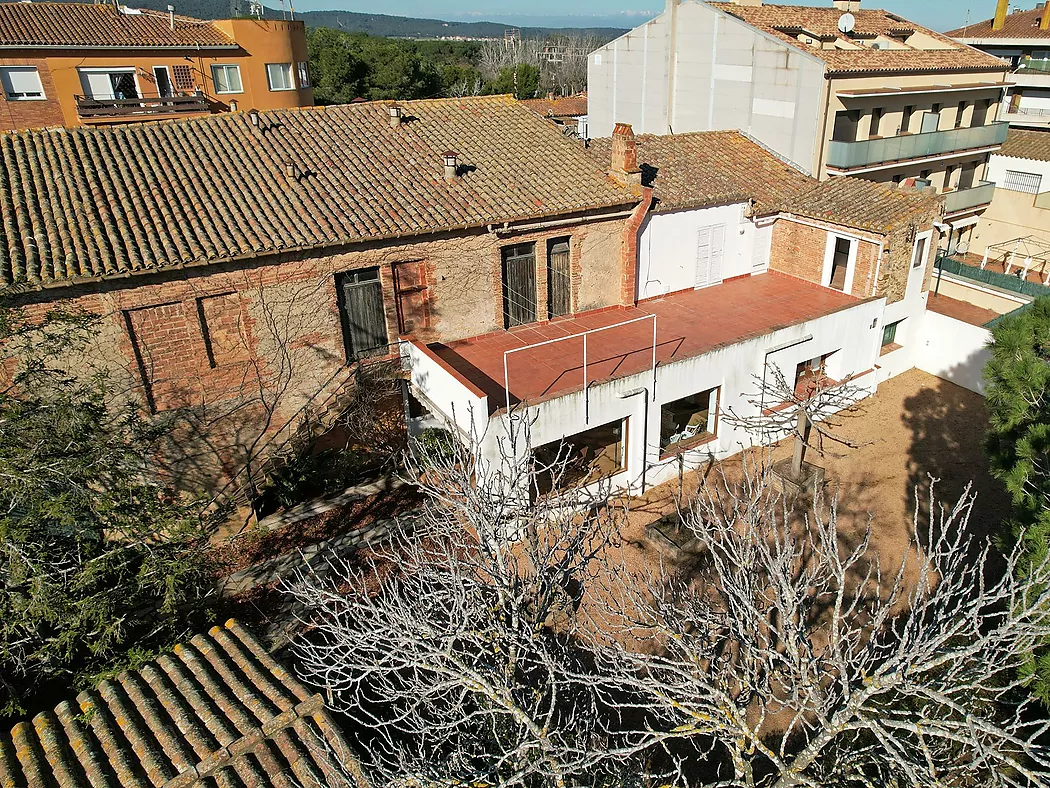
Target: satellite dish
[(847, 22), (876, 45)]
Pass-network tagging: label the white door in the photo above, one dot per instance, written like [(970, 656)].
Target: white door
[(710, 249), (760, 252), (97, 84)]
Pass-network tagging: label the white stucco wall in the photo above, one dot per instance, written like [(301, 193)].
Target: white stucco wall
[(954, 350), (667, 251), (998, 165), (736, 370), (458, 405), (706, 70)]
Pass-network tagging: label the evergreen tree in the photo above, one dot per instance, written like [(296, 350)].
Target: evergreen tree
[(1018, 401), (102, 559)]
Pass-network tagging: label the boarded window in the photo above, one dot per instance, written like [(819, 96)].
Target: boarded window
[(183, 77), (413, 304), (710, 249), (1027, 182), (362, 311), (559, 278), (165, 343), (519, 285), (221, 326), (580, 459)]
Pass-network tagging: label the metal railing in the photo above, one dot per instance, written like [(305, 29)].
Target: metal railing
[(88, 107), (963, 199), (850, 155), (586, 382)]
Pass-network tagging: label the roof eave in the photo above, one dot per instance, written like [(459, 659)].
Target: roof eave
[(122, 47)]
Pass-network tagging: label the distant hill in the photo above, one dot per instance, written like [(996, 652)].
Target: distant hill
[(373, 24)]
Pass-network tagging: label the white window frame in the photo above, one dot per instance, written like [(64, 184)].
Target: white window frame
[(829, 259), (922, 239), (302, 70), (240, 81), (24, 95), (112, 70), (291, 77)]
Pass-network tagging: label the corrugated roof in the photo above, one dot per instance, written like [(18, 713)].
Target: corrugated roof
[(1027, 144), (101, 25), (218, 713), (91, 203), (823, 22), (1023, 24), (711, 168)]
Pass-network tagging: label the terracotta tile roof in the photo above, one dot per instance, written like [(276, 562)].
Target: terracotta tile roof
[(101, 25), (1027, 144), (218, 712), (559, 107), (786, 22), (90, 203), (709, 168), (1023, 24), (862, 204)]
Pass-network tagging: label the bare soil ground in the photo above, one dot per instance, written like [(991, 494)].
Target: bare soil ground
[(916, 427)]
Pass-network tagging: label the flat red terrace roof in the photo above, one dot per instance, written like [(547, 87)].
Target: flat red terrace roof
[(689, 323)]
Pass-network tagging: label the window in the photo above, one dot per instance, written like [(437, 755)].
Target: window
[(279, 76), (162, 79), (559, 278), (918, 258), (840, 264), (810, 375), (960, 113), (580, 459), (227, 79), (183, 76), (980, 113), (1027, 182), (889, 335), (108, 84), (688, 421), (876, 122), (519, 285), (906, 119), (21, 83), (304, 75), (413, 304), (361, 308), (846, 123), (931, 121)]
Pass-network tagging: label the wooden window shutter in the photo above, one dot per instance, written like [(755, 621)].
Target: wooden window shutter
[(559, 279), (413, 297)]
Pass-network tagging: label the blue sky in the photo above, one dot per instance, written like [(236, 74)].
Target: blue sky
[(938, 14)]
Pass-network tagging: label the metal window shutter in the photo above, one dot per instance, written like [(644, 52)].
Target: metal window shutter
[(1027, 182)]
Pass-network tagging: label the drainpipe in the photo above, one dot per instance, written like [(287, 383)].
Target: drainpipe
[(645, 428)]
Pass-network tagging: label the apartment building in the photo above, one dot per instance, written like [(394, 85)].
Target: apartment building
[(74, 64), (840, 90), (1022, 39)]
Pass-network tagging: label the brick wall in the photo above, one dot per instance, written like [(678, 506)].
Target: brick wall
[(31, 114), (799, 249), (236, 352)]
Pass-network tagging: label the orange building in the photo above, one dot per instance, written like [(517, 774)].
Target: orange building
[(75, 64)]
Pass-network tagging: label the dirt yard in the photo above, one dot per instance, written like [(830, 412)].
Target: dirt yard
[(916, 427)]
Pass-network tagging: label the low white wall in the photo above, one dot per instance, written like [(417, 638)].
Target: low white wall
[(954, 350), (736, 370), (464, 408)]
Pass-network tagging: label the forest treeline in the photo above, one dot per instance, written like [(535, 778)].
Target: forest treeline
[(349, 66)]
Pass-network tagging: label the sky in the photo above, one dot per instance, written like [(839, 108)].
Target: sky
[(937, 14)]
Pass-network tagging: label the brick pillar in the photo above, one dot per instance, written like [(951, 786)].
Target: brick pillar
[(629, 248)]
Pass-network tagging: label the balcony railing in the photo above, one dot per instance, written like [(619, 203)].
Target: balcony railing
[(89, 108), (963, 199), (850, 155), (1042, 66)]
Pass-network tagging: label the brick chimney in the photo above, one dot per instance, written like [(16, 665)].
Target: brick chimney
[(847, 6), (1001, 10), (625, 155), (1044, 20)]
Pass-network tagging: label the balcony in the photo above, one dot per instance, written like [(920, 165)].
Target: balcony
[(92, 109), (965, 199), (847, 156)]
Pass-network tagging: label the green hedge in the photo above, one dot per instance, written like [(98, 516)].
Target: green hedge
[(996, 321), (994, 278)]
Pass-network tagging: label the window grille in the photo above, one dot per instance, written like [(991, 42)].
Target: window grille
[(1027, 182)]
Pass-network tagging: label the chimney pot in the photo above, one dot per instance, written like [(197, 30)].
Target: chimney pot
[(253, 117), (1002, 9), (625, 155), (847, 6), (396, 116), (451, 160)]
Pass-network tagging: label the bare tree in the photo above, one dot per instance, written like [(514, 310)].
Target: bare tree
[(456, 644), (792, 657)]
